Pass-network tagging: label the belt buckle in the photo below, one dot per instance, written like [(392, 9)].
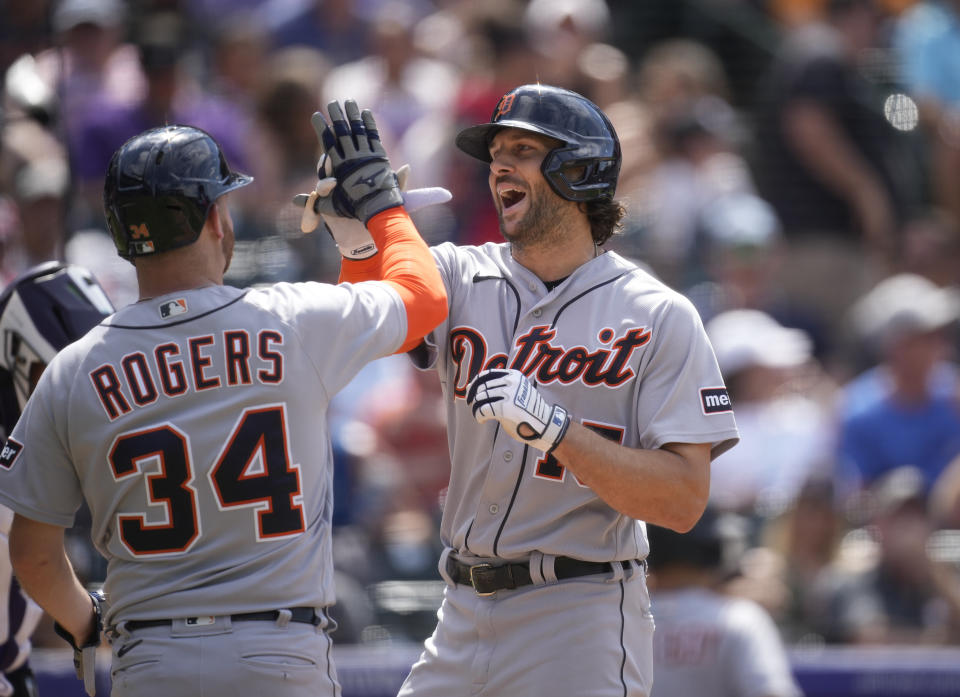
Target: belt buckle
[(473, 580)]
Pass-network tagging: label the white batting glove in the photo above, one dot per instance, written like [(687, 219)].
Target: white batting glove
[(352, 237), (510, 398)]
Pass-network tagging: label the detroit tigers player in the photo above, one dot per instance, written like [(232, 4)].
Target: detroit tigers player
[(583, 397), (41, 311), (193, 424)]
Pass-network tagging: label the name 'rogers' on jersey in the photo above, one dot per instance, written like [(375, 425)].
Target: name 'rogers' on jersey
[(195, 363)]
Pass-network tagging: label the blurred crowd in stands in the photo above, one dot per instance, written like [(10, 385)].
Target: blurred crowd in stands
[(793, 166)]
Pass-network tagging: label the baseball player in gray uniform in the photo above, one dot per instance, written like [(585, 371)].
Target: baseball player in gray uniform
[(583, 398), (193, 424)]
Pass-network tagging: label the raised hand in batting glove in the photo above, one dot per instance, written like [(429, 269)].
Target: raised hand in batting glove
[(327, 200), (366, 185), (510, 398), (85, 653), (352, 237)]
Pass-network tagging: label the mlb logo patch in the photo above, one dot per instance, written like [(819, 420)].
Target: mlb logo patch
[(172, 308), (715, 400), (143, 247), (10, 453)]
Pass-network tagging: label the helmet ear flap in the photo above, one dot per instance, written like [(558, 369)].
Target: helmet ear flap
[(576, 178)]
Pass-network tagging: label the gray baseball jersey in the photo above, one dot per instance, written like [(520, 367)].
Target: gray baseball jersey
[(622, 352), (711, 645), (194, 425)]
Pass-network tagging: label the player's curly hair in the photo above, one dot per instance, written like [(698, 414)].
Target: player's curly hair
[(606, 218)]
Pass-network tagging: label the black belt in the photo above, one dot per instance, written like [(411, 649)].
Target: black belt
[(487, 579), (307, 615)]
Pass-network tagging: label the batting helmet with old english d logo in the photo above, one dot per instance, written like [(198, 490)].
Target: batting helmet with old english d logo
[(585, 166)]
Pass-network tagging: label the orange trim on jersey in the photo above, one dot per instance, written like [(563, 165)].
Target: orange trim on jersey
[(405, 262)]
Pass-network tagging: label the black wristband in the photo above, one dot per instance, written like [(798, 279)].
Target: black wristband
[(94, 639)]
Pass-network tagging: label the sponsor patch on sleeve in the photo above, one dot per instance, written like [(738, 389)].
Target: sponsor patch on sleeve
[(11, 451), (715, 400)]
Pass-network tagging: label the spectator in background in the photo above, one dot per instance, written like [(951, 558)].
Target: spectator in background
[(505, 58), (884, 588), (92, 63), (561, 32), (739, 253), (240, 51), (906, 409), (699, 167), (708, 643), (270, 246), (399, 82), (172, 96), (330, 26), (35, 176), (92, 69), (926, 40), (413, 93), (678, 72), (823, 155), (690, 132), (40, 191), (805, 539), (782, 401)]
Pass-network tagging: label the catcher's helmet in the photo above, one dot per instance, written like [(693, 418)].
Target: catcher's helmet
[(41, 311), (159, 187), (585, 167)]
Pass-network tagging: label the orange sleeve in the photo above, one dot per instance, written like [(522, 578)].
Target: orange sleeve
[(404, 261), (356, 270)]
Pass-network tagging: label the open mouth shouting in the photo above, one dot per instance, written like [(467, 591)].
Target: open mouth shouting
[(510, 196)]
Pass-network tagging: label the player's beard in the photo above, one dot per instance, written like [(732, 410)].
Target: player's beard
[(542, 222)]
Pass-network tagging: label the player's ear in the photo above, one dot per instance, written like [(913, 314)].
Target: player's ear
[(215, 221)]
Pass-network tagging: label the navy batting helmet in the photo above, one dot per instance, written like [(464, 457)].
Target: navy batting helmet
[(587, 163), (716, 542), (159, 187), (41, 311)]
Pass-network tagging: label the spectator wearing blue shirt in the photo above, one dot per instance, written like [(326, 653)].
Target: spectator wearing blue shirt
[(906, 409)]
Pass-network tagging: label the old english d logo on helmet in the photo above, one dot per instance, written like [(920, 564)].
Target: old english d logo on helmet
[(585, 166), (504, 106)]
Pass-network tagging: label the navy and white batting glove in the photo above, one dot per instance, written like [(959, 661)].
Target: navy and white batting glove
[(366, 185), (510, 398), (85, 653), (351, 236)]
